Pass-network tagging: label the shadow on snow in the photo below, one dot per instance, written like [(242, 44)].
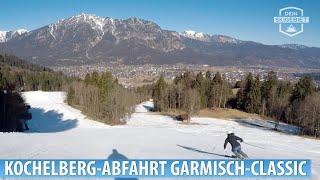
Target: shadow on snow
[(269, 125), (148, 108), (49, 122), (204, 152), (116, 156)]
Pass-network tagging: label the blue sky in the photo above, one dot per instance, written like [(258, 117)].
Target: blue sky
[(242, 19)]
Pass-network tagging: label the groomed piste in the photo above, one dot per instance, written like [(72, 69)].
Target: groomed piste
[(58, 131)]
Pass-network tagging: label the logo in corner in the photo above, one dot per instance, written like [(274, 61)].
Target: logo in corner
[(291, 21)]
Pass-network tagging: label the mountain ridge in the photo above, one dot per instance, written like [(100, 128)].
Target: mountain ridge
[(87, 38), (8, 35)]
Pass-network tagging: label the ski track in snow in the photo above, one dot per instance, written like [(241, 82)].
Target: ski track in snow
[(60, 131)]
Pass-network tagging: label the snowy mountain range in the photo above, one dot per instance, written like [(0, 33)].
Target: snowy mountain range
[(209, 38), (7, 35), (85, 38)]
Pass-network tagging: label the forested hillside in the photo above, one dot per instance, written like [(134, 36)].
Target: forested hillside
[(22, 75), (296, 104), (17, 75), (103, 98), (190, 93)]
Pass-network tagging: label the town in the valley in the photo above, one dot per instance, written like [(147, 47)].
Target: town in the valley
[(136, 75)]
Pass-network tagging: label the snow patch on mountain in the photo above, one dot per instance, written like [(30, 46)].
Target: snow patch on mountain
[(194, 35), (225, 39), (20, 31), (8, 35), (52, 28), (96, 22), (200, 36), (3, 36)]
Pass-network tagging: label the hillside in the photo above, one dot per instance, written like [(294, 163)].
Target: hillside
[(18, 74), (14, 63)]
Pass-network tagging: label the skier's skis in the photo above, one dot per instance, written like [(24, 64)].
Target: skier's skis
[(235, 157), (232, 156)]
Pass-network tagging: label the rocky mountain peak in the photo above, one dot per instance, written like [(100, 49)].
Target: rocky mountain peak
[(8, 35), (88, 38)]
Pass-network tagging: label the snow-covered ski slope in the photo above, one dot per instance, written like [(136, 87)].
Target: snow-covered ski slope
[(60, 131)]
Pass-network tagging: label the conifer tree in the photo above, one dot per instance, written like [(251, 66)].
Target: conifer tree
[(252, 97), (268, 92), (159, 94), (201, 86)]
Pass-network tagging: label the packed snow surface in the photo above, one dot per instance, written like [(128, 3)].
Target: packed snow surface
[(60, 131)]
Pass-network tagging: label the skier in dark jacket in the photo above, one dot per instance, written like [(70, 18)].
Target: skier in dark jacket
[(236, 147)]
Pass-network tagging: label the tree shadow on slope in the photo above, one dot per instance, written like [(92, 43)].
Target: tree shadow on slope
[(116, 156), (204, 152), (261, 124), (148, 107), (49, 121), (269, 125)]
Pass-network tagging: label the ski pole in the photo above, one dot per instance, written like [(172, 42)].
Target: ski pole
[(253, 145), (214, 148)]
